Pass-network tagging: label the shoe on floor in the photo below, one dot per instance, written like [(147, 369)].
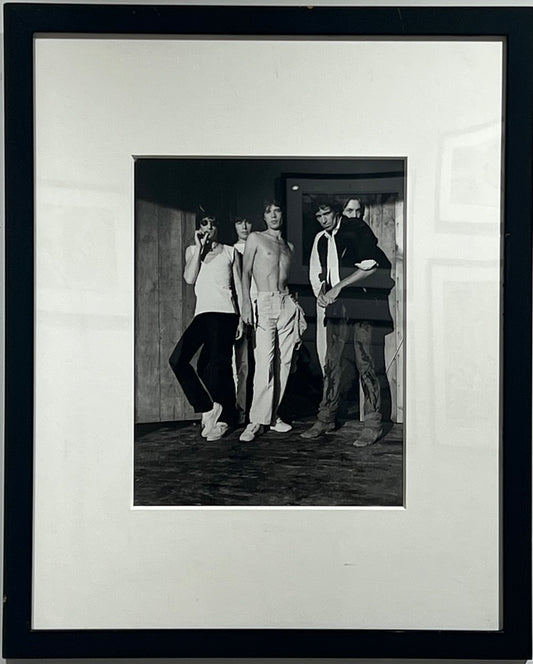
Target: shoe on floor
[(210, 418), (368, 437), (280, 426), (217, 431), (251, 431), (318, 429)]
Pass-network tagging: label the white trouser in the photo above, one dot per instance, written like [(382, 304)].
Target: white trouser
[(275, 320)]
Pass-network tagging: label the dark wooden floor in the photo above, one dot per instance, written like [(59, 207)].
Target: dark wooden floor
[(174, 465)]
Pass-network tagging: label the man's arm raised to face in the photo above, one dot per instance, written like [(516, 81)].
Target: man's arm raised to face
[(193, 257)]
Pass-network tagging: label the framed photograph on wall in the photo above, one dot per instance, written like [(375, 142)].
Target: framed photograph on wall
[(268, 332)]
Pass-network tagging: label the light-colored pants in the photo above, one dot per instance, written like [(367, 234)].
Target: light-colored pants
[(275, 321)]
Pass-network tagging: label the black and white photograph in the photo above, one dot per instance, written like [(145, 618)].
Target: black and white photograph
[(269, 355)]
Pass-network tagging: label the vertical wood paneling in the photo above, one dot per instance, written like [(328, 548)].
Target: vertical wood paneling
[(164, 306), (188, 297), (171, 251), (388, 228), (388, 244), (399, 295), (382, 219), (177, 309), (147, 369)]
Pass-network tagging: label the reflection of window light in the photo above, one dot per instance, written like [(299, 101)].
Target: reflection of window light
[(295, 187)]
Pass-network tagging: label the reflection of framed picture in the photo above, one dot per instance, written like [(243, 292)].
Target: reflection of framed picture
[(467, 195), (465, 291), (93, 92)]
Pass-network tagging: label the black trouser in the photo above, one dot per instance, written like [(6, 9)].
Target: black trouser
[(212, 381)]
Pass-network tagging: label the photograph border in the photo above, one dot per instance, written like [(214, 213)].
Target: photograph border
[(22, 22)]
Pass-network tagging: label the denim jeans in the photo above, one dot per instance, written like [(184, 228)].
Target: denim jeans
[(368, 340)]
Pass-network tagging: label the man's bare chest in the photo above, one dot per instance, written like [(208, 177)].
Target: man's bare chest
[(275, 251)]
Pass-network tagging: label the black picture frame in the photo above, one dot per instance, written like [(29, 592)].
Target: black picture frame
[(22, 22)]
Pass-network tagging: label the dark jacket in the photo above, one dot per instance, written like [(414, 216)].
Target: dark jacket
[(356, 242)]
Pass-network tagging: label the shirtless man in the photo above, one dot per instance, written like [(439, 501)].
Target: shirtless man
[(277, 319)]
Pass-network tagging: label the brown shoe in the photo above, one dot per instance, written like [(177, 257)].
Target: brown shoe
[(368, 437), (318, 429)]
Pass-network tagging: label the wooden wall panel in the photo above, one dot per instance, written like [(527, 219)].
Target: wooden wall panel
[(399, 296), (171, 250), (177, 306), (388, 239), (164, 307), (382, 217), (388, 226), (147, 369), (187, 291)]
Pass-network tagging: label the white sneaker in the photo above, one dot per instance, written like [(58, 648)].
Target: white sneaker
[(210, 418), (217, 431), (280, 426), (251, 431)]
